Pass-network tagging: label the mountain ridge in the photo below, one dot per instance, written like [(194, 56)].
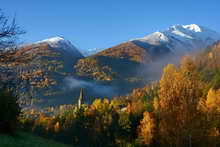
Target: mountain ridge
[(180, 37), (44, 67), (162, 46)]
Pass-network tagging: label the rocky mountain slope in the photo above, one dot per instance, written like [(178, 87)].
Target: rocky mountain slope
[(147, 54), (52, 71), (182, 38), (41, 67)]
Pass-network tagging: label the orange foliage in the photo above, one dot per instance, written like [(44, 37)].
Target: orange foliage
[(180, 93), (146, 130), (213, 100)]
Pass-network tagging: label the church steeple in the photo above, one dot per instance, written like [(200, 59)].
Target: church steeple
[(81, 98)]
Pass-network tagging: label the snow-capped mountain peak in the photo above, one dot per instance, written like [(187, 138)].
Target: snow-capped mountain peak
[(53, 39), (155, 38), (182, 38), (193, 27), (56, 42), (61, 44)]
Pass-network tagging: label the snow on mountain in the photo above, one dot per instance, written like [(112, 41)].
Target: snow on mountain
[(193, 27), (61, 43), (155, 38), (56, 42), (182, 38), (179, 39)]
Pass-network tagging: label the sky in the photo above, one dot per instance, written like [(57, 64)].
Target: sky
[(104, 23)]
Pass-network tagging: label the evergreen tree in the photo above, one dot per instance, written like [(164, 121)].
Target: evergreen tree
[(9, 111)]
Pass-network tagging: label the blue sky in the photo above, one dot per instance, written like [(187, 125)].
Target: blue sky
[(105, 23)]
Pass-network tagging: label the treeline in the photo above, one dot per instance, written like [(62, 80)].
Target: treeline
[(182, 109)]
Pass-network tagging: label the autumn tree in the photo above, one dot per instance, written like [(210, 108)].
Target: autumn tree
[(213, 100), (180, 92), (212, 109), (146, 130), (104, 122)]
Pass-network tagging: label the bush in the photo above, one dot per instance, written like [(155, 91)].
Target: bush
[(9, 111)]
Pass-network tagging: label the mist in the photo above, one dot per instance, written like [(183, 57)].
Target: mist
[(72, 83), (153, 71)]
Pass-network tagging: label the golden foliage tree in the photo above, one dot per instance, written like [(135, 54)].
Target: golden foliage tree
[(146, 129), (213, 100), (180, 92), (212, 109), (57, 127)]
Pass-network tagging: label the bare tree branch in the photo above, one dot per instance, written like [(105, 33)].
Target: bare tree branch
[(9, 32)]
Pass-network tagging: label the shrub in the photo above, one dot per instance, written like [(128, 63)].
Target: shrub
[(9, 111)]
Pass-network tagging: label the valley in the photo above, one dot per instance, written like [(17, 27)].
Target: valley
[(53, 71), (98, 83)]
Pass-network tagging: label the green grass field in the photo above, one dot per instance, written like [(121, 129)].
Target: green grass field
[(27, 140)]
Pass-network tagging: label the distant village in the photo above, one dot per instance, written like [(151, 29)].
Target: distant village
[(35, 112)]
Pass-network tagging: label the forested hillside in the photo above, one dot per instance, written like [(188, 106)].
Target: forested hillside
[(182, 109), (109, 73)]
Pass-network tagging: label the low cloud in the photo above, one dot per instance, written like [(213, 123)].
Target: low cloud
[(101, 89)]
